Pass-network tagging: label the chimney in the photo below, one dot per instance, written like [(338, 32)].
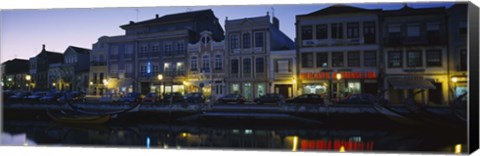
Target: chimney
[(131, 22), (156, 15), (43, 47), (276, 23)]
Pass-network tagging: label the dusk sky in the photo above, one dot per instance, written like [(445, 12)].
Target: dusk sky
[(24, 31)]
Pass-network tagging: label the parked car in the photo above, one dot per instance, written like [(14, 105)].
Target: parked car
[(73, 96), (110, 97), (35, 97), (151, 97), (176, 98), (270, 98), (307, 99), (131, 97), (237, 98), (195, 98), (51, 97), (358, 99), (19, 96)]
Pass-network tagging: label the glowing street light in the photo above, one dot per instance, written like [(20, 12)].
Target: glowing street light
[(53, 84), (28, 77), (105, 82), (160, 77), (339, 76), (91, 83), (9, 79), (454, 79), (294, 80)]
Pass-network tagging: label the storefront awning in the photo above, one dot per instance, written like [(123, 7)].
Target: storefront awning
[(411, 84)]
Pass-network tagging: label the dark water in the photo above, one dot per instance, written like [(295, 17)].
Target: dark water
[(273, 138)]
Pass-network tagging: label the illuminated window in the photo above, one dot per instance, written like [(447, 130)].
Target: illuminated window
[(395, 59)]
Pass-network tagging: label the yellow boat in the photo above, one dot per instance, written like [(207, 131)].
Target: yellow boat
[(74, 118)]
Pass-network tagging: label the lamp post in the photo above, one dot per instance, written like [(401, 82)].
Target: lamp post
[(105, 83), (28, 78), (339, 77), (294, 83), (160, 78), (454, 80)]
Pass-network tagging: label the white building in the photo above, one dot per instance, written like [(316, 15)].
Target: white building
[(282, 72)]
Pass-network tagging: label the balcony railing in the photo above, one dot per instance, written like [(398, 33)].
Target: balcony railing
[(422, 40), (93, 63), (332, 42), (113, 57)]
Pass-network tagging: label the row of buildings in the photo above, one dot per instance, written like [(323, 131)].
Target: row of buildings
[(48, 70), (338, 51)]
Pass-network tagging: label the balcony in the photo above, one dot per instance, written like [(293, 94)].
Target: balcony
[(113, 57), (93, 63), (332, 42), (422, 40), (128, 56)]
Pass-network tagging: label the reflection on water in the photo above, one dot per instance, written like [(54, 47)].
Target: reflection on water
[(274, 138)]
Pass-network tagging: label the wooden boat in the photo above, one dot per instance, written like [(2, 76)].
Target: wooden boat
[(76, 118), (418, 115), (78, 115)]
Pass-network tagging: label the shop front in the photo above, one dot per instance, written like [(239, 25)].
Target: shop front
[(337, 85), (249, 90)]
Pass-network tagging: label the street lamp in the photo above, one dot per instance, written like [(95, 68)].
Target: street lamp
[(160, 78), (105, 83), (28, 78), (454, 79), (339, 77)]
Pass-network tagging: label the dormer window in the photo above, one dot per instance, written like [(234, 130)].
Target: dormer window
[(205, 39)]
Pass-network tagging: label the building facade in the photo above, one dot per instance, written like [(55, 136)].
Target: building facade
[(39, 66), (206, 70), (15, 74), (457, 66), (282, 71), (98, 67), (153, 47), (338, 51), (415, 48), (249, 44)]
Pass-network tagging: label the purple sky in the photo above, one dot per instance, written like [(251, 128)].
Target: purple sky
[(22, 32)]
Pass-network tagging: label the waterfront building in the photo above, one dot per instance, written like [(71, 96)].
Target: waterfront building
[(15, 74), (155, 47), (282, 71), (457, 44), (415, 48), (76, 66), (206, 69), (39, 66), (338, 51), (98, 67), (249, 45)]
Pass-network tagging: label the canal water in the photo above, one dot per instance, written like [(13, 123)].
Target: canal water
[(259, 138)]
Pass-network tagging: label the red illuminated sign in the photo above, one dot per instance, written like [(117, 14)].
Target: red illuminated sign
[(336, 145), (333, 75)]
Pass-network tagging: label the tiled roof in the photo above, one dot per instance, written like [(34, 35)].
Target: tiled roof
[(339, 9), (171, 17), (80, 50)]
